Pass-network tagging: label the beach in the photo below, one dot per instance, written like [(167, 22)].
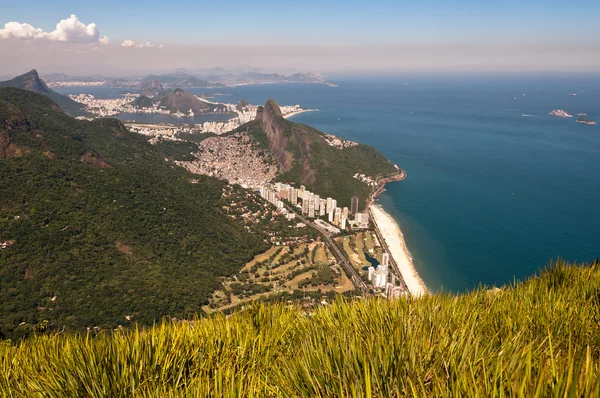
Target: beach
[(397, 246), (289, 115)]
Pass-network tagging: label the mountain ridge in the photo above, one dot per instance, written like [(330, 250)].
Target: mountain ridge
[(31, 81)]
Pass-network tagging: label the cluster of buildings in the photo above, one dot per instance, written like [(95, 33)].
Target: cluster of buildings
[(232, 158), (103, 107), (339, 143), (313, 206), (76, 84), (163, 131), (382, 278), (244, 115), (366, 179)]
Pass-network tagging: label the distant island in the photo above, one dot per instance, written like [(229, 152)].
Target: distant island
[(560, 113), (585, 120), (582, 119)]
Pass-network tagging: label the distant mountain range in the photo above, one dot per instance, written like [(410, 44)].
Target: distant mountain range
[(179, 80), (263, 78), (182, 79), (31, 81)]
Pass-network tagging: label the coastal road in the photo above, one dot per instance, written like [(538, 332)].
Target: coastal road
[(392, 261), (342, 260)]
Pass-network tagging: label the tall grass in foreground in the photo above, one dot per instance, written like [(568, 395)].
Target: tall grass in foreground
[(538, 338)]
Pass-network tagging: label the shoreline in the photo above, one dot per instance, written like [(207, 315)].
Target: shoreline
[(394, 238), (289, 115), (401, 175)]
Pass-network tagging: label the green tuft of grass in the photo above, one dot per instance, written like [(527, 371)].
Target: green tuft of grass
[(536, 338)]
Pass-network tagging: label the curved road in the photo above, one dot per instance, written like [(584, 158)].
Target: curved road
[(348, 268)]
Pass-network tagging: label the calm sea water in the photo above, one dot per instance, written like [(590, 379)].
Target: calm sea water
[(491, 194)]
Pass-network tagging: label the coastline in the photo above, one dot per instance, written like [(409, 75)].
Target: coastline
[(289, 115), (394, 239)]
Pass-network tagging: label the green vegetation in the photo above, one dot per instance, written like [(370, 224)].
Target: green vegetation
[(538, 338), (322, 168), (32, 82), (106, 233), (334, 168), (177, 150), (323, 275)]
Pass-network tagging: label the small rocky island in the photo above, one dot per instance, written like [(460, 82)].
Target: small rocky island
[(560, 113), (585, 120)]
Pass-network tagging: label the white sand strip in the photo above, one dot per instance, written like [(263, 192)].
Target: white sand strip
[(289, 115), (395, 241)]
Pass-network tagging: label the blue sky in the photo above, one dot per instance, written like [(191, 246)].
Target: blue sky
[(321, 22), (324, 36)]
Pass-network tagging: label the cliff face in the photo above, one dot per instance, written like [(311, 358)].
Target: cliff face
[(273, 124), (289, 146)]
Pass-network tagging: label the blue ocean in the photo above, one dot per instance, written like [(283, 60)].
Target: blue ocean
[(496, 187)]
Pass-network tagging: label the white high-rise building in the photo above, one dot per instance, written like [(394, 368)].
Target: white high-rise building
[(333, 204), (345, 212), (371, 271), (336, 216), (322, 207), (362, 219), (329, 208), (381, 276), (317, 203), (342, 222), (330, 217), (294, 198), (385, 260)]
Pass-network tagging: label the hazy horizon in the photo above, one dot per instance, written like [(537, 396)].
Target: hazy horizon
[(339, 38)]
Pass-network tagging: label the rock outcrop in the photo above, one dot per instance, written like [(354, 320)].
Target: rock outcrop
[(560, 113), (288, 145)]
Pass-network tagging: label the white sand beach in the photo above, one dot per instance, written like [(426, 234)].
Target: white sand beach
[(289, 115), (395, 241)]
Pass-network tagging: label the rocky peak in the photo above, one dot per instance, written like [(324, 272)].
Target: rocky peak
[(32, 82), (274, 126), (156, 85)]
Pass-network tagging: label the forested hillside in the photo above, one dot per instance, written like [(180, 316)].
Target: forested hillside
[(104, 232)]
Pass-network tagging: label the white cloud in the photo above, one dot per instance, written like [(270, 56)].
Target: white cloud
[(23, 31), (70, 30), (133, 44)]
